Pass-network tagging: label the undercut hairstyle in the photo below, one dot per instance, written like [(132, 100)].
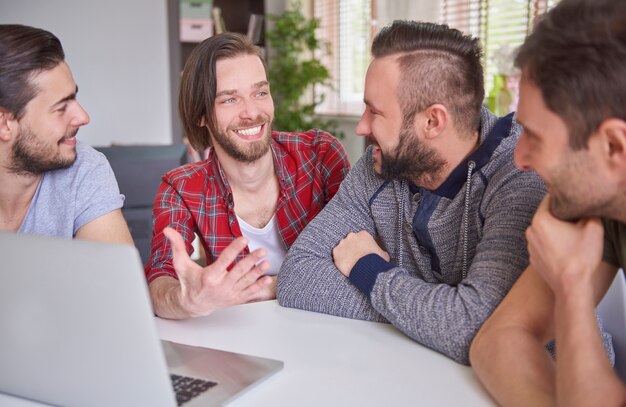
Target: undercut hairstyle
[(24, 53), (437, 64), (576, 55), (198, 86)]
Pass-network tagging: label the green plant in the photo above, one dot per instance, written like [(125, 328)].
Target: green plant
[(294, 71)]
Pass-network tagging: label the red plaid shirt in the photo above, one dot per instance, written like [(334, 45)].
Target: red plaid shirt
[(196, 198)]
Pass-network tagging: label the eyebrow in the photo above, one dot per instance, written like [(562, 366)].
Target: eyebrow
[(370, 104), (257, 85), (526, 129), (71, 96)]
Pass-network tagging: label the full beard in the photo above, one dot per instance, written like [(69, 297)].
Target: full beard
[(250, 151), (411, 160), (30, 156)]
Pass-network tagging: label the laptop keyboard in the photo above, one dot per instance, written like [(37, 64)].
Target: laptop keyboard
[(187, 388)]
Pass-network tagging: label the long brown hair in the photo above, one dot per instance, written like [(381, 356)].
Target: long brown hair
[(196, 98)]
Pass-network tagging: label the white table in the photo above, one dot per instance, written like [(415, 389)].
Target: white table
[(331, 361)]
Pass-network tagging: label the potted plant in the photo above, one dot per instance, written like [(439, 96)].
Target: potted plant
[(294, 71)]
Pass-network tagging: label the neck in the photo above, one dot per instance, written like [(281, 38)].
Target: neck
[(249, 177), (453, 151), (15, 196)]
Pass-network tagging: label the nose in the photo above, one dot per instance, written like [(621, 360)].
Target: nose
[(249, 109), (363, 127), (521, 154), (81, 117)]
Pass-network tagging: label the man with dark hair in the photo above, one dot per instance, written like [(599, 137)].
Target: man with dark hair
[(50, 183), (249, 199), (573, 110), (427, 230)]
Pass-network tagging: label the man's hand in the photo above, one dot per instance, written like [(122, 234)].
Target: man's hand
[(354, 246), (204, 290), (564, 253)]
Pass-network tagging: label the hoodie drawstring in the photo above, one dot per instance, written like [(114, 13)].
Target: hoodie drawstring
[(468, 188)]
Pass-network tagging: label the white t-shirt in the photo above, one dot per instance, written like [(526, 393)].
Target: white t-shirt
[(267, 238)]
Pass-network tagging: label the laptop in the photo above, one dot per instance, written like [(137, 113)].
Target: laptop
[(78, 330)]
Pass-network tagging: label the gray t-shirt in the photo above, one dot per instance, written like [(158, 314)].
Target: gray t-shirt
[(68, 199)]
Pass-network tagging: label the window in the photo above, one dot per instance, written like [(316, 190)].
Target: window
[(501, 25), (346, 26)]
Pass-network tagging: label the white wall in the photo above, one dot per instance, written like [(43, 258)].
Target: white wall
[(118, 53)]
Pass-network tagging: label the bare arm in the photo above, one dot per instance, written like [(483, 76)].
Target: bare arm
[(508, 353), (568, 255), (202, 290), (110, 227)]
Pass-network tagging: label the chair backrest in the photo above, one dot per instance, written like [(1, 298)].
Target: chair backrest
[(138, 170), (612, 311)]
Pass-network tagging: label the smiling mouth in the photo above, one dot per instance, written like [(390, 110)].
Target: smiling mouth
[(249, 131)]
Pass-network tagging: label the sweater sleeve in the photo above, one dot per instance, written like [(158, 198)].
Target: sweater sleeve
[(446, 317), (308, 278)]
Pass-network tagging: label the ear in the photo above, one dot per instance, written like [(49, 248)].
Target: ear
[(434, 120), (613, 132), (202, 121), (7, 124)]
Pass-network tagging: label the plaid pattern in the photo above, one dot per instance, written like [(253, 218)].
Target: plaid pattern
[(196, 198)]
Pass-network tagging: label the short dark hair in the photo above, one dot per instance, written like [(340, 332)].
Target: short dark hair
[(576, 55), (437, 64), (198, 86), (24, 52)]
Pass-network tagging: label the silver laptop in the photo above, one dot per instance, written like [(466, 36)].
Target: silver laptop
[(77, 329)]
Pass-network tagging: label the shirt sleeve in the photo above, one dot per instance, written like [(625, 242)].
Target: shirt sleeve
[(97, 192), (334, 165), (169, 210)]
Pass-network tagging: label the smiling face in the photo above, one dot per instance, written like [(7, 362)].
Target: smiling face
[(244, 109), (397, 150), (574, 178), (46, 134)]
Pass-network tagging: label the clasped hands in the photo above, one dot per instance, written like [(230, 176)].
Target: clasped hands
[(353, 247), (206, 289)]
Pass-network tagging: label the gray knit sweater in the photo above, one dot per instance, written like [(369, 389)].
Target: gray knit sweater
[(455, 251)]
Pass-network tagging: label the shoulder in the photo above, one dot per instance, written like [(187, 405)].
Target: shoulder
[(87, 157), (311, 140), (192, 173)]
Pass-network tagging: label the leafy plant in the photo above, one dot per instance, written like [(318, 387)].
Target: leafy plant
[(294, 71)]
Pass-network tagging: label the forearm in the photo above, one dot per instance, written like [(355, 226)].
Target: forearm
[(514, 366), (585, 376), (309, 280), (166, 296)]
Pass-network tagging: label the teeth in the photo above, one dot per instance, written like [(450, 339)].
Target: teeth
[(250, 132)]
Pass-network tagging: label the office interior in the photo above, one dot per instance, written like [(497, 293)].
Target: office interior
[(126, 57)]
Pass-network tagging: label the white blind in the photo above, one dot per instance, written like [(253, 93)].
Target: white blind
[(501, 26), (346, 26)]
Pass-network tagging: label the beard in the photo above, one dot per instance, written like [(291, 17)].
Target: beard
[(249, 151), (411, 160), (32, 156)]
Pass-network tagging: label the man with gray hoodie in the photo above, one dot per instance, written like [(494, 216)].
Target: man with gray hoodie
[(427, 230)]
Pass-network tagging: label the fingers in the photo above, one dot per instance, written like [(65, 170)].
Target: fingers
[(229, 254), (263, 288), (246, 264), (250, 276)]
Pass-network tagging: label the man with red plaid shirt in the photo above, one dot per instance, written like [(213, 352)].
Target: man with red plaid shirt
[(249, 199)]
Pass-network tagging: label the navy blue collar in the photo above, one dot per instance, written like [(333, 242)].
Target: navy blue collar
[(451, 187)]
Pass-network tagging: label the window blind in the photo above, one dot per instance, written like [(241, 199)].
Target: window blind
[(346, 28)]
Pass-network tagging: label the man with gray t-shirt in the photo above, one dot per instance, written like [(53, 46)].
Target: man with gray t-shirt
[(50, 184)]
